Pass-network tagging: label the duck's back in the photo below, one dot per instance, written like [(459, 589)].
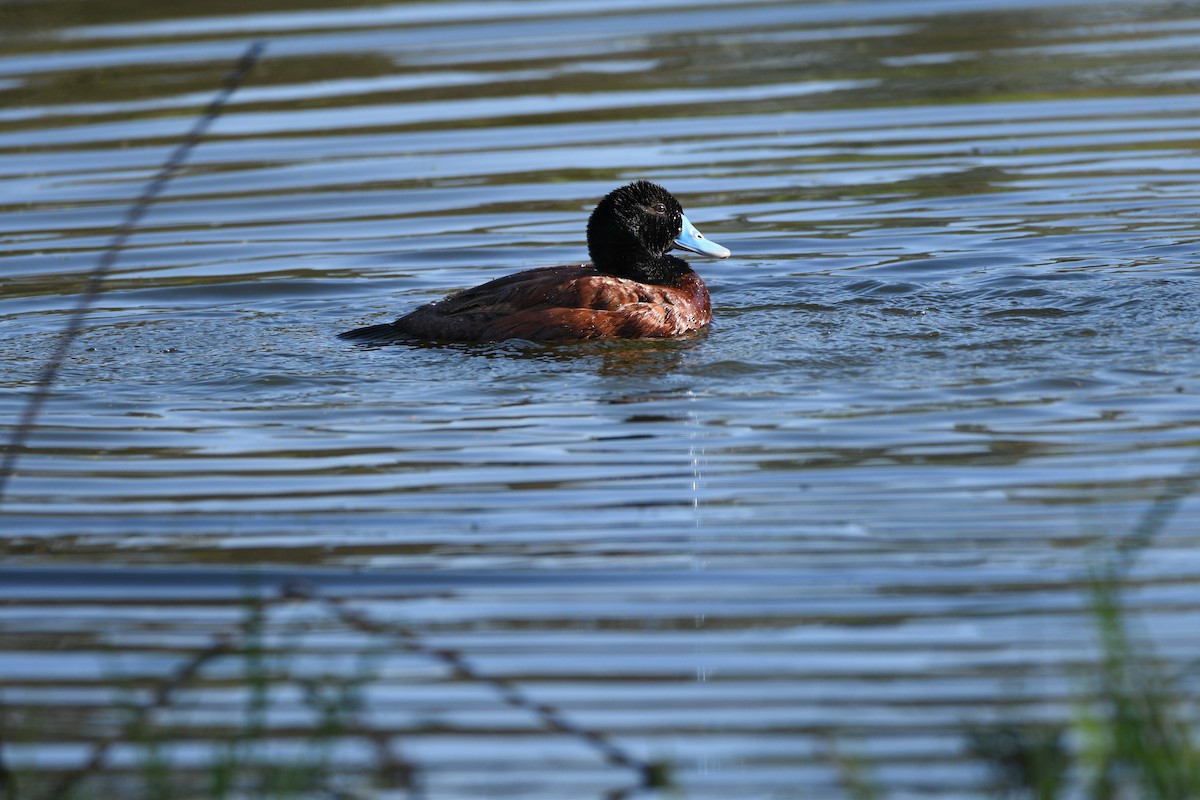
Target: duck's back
[(554, 304)]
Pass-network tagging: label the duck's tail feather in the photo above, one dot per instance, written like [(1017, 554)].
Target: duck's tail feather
[(387, 332)]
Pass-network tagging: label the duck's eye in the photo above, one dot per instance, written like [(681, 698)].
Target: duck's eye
[(660, 208)]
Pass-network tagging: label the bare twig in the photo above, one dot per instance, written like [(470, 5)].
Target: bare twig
[(650, 774), (108, 258), (182, 676)]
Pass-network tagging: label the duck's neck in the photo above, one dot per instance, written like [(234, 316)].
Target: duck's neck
[(661, 270)]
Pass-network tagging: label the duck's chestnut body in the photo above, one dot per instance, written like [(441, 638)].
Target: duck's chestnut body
[(633, 289), (555, 304)]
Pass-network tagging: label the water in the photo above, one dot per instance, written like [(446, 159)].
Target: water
[(955, 352)]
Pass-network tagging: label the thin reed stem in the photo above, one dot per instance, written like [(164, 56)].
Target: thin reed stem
[(95, 283)]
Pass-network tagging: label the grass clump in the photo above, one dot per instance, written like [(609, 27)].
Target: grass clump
[(1026, 760), (1135, 734), (1140, 741), (243, 761)]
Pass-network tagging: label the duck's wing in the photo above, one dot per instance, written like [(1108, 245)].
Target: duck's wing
[(469, 315), (538, 289)]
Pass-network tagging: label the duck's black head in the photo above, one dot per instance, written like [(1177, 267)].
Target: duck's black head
[(634, 226)]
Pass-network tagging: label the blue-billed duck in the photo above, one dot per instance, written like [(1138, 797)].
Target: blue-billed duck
[(632, 288)]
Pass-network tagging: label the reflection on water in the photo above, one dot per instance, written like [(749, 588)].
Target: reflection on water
[(955, 348)]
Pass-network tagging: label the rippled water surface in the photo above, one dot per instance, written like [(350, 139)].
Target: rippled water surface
[(955, 352)]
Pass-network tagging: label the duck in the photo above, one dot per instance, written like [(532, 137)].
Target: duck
[(633, 288)]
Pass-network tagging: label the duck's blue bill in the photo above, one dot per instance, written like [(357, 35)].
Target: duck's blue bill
[(691, 239)]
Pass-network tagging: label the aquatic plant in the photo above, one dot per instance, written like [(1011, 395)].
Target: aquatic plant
[(1133, 730), (1025, 758)]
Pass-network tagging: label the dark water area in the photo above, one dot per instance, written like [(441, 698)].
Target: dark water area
[(954, 358)]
